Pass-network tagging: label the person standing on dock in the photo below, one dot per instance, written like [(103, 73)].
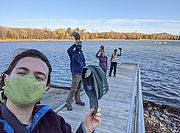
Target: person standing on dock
[(102, 58), (77, 62), (114, 61)]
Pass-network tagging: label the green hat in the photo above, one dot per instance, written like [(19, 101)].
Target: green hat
[(95, 85)]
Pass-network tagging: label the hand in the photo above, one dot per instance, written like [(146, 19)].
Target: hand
[(92, 122)]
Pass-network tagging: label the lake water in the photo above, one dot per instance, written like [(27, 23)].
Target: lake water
[(160, 63)]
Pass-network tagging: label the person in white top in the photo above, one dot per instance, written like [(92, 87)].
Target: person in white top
[(114, 61)]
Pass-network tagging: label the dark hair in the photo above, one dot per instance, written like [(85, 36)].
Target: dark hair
[(115, 50), (28, 53)]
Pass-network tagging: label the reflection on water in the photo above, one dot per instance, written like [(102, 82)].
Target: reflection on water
[(160, 63)]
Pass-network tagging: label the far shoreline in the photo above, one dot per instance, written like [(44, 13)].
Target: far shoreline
[(63, 40)]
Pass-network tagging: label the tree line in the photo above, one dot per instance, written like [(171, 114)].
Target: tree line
[(62, 33)]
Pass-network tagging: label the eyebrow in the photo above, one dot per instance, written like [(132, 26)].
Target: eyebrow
[(23, 68), (26, 69)]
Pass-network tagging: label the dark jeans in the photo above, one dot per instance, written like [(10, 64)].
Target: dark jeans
[(113, 66)]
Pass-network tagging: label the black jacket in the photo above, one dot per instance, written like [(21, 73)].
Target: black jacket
[(45, 121)]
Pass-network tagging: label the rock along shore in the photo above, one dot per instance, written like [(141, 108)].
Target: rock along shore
[(161, 118)]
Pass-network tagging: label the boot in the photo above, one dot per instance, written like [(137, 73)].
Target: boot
[(80, 103), (69, 107)]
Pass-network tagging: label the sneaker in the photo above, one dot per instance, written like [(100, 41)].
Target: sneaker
[(69, 107), (80, 103)]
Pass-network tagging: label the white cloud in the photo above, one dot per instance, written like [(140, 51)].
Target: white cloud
[(119, 25)]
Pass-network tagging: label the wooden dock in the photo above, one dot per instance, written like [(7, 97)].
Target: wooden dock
[(115, 105)]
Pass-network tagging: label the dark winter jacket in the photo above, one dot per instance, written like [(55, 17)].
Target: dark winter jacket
[(45, 121), (77, 60)]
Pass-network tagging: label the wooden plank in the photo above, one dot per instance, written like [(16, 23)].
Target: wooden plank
[(114, 105)]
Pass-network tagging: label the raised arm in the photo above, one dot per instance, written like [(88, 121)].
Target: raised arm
[(97, 53), (120, 49), (71, 50)]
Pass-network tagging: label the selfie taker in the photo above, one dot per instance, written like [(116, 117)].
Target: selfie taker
[(23, 84)]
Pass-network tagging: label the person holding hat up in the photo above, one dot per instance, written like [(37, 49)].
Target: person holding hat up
[(114, 61), (77, 62), (102, 58)]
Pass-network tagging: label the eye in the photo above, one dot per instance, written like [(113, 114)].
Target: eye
[(21, 73), (39, 78)]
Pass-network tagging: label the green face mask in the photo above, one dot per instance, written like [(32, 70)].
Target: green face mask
[(24, 91)]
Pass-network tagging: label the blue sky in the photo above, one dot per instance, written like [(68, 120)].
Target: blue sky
[(145, 16)]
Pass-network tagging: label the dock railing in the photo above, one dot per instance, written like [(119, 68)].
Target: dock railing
[(136, 112)]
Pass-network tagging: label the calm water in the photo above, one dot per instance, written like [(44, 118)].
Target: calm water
[(160, 64)]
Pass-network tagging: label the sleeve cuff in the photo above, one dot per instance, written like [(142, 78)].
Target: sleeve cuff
[(83, 128)]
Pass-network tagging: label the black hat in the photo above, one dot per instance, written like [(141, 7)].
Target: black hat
[(75, 35)]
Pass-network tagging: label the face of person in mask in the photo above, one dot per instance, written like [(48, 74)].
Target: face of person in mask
[(78, 47), (30, 65), (27, 82)]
